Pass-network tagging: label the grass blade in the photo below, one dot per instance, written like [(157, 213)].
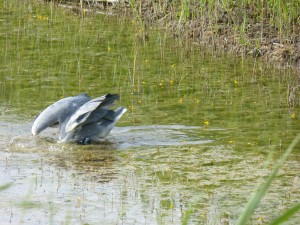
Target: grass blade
[(261, 191), (286, 215)]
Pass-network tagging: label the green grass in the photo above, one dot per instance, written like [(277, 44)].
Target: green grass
[(247, 23), (264, 187), (286, 215), (246, 19)]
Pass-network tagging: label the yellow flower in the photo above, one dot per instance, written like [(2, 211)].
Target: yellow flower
[(108, 49), (203, 215), (84, 11), (173, 65), (40, 17), (161, 83), (131, 108), (171, 82), (180, 100), (293, 116), (261, 220), (235, 82), (206, 122)]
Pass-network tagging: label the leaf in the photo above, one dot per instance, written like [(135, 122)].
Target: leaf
[(286, 215)]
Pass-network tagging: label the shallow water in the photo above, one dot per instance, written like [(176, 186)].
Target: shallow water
[(119, 138), (197, 135)]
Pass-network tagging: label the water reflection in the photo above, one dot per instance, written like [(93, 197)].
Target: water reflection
[(158, 135), (17, 135)]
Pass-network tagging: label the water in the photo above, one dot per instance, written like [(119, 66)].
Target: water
[(197, 135)]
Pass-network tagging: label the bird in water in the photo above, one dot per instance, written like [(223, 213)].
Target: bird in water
[(80, 118)]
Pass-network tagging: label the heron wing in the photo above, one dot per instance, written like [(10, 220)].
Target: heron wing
[(57, 112), (91, 111), (100, 129)]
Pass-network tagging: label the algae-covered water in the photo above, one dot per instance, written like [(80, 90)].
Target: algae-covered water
[(201, 132)]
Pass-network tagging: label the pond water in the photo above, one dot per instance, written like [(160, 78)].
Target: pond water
[(197, 136)]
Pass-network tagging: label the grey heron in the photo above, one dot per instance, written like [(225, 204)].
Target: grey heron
[(80, 118)]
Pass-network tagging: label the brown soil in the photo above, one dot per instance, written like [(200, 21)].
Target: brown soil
[(220, 34), (258, 39)]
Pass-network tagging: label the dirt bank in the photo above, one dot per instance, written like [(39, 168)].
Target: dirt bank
[(237, 29), (263, 29)]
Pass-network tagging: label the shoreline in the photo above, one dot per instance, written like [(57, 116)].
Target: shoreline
[(231, 31), (227, 31)]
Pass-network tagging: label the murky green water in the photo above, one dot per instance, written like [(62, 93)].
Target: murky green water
[(197, 135)]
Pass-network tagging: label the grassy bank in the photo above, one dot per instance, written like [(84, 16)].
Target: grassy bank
[(268, 28)]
